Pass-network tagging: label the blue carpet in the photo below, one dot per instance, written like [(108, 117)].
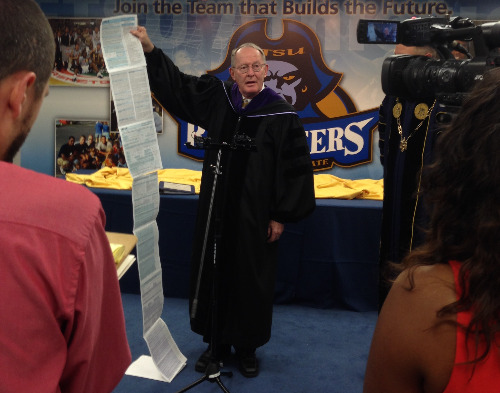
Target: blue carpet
[(311, 350)]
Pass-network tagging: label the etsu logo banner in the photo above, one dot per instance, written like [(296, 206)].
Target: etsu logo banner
[(343, 142), (336, 132)]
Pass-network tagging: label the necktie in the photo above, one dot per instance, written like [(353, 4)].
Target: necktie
[(245, 103)]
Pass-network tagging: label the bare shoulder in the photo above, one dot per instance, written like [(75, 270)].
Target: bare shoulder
[(423, 283), (438, 273), (412, 351)]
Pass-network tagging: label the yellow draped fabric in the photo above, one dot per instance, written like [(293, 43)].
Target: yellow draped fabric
[(120, 178), (329, 186), (326, 186)]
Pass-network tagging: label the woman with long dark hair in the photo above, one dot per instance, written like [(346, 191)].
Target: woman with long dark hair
[(438, 330)]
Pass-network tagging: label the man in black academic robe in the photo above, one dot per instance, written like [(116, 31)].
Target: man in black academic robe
[(260, 188), (403, 157)]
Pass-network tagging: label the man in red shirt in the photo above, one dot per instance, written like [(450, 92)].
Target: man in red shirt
[(62, 326)]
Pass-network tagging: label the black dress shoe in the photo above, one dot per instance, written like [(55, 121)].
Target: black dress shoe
[(247, 363), (205, 358)]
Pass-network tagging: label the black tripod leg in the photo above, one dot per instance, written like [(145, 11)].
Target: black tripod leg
[(204, 378), (219, 382), (209, 379)]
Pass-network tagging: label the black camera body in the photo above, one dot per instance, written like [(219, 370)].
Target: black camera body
[(446, 79)]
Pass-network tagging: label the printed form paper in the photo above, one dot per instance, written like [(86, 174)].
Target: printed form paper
[(126, 65), (129, 82)]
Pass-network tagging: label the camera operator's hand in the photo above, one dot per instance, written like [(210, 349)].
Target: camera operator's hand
[(141, 33)]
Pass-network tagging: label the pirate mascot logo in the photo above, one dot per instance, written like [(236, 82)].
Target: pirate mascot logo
[(337, 133)]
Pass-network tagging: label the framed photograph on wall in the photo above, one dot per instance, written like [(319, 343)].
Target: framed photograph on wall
[(157, 114), (86, 146), (79, 60)]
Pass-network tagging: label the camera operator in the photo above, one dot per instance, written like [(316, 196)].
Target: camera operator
[(406, 134)]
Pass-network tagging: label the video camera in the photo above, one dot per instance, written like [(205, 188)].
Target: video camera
[(446, 79)]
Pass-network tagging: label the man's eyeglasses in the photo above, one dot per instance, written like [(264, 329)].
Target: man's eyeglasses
[(255, 68)]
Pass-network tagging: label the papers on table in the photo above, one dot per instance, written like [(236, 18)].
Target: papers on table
[(125, 243), (126, 65), (125, 265)]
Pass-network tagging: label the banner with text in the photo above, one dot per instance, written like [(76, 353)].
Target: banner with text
[(315, 61)]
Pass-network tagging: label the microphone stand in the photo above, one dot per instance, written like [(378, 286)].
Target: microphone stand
[(240, 142)]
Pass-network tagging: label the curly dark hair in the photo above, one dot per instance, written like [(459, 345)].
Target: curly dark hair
[(26, 41), (462, 192)]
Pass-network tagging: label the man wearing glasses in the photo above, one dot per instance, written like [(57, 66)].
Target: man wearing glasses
[(261, 185)]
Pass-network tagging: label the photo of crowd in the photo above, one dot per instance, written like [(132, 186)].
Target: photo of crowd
[(79, 59), (86, 146)]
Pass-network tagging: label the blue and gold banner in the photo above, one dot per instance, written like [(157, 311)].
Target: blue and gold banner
[(315, 61)]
